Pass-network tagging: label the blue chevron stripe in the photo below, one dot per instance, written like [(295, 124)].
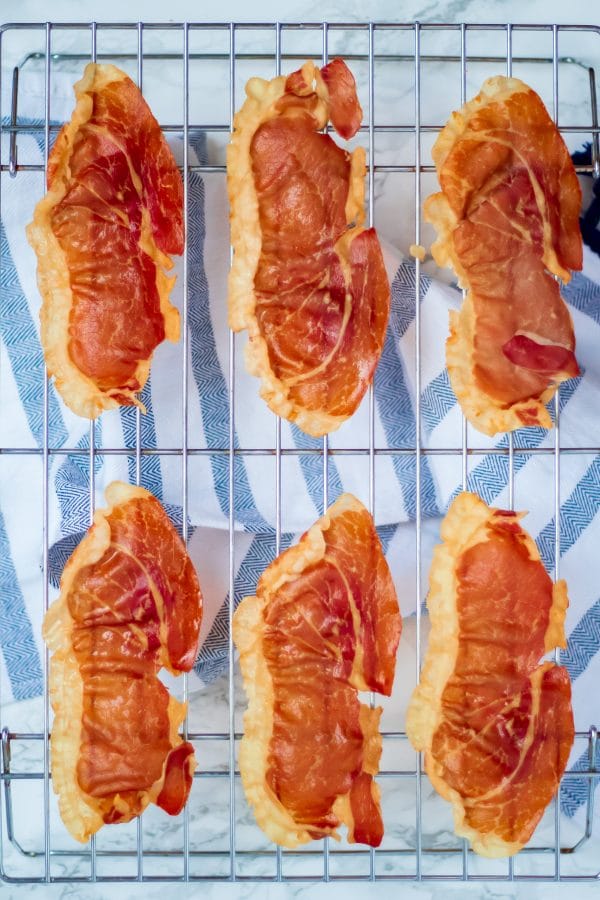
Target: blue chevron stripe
[(582, 646), (584, 295), (576, 514), (436, 401), (151, 466), (213, 658), (312, 469), (72, 485), (72, 482), (393, 397), (386, 533), (21, 338), (210, 383), (18, 644), (583, 643), (197, 141), (490, 476)]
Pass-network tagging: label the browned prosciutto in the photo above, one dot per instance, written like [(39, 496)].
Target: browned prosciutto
[(308, 280), (495, 721), (130, 604), (507, 220), (103, 235), (323, 625)]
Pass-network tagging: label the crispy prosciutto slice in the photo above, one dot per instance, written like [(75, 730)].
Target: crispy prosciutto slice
[(130, 603), (323, 625), (495, 723), (103, 235), (308, 280), (507, 220)]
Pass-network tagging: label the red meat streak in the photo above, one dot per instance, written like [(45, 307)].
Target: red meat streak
[(324, 327), (116, 319), (501, 752), (488, 180), (310, 644), (121, 638)]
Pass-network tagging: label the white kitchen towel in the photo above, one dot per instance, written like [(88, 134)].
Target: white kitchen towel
[(21, 418)]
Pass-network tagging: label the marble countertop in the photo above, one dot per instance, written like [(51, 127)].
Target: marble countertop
[(209, 807)]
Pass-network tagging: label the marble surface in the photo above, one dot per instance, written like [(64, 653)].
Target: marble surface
[(209, 820), (209, 804)]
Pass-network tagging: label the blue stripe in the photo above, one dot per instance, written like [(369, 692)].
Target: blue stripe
[(151, 473), (21, 338), (490, 476), (386, 533), (394, 400), (437, 400), (576, 514), (213, 659), (197, 141), (312, 469), (18, 644), (72, 485), (583, 643), (582, 646), (583, 295), (210, 383)]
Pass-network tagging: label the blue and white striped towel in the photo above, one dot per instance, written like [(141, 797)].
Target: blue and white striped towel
[(21, 424)]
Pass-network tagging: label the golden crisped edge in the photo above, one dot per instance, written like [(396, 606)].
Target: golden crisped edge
[(464, 526), (79, 811), (259, 107), (79, 392), (248, 624), (485, 413)]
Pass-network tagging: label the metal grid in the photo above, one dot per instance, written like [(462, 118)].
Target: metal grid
[(378, 861)]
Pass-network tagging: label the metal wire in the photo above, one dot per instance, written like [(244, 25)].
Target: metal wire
[(419, 772), (45, 465), (278, 851), (232, 823), (511, 440), (465, 424), (420, 852), (326, 848), (138, 454)]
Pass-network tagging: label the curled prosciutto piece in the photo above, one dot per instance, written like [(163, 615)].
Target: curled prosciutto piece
[(323, 625), (130, 603), (103, 235), (495, 723), (308, 280), (507, 220)]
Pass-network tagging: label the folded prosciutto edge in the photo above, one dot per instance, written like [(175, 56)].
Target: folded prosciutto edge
[(486, 413), (79, 810), (78, 390), (246, 239), (248, 625), (464, 526)]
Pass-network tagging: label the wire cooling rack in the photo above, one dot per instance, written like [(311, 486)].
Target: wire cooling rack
[(376, 51)]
